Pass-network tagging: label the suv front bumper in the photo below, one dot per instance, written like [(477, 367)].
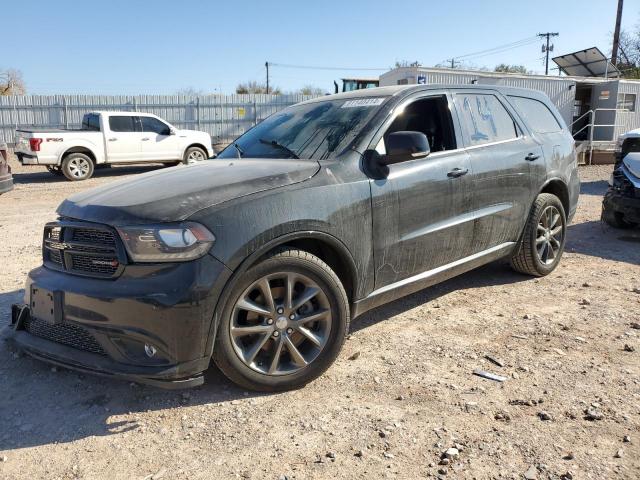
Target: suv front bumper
[(109, 327)]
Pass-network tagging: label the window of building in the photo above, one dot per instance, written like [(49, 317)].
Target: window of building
[(627, 101), (485, 119)]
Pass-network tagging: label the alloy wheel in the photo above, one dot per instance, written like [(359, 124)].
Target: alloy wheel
[(281, 323), (195, 156), (549, 235), (79, 167)]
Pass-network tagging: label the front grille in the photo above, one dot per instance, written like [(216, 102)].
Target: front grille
[(84, 250), (101, 265), (67, 334), (91, 235)]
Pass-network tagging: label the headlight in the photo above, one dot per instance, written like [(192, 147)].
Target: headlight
[(169, 242)]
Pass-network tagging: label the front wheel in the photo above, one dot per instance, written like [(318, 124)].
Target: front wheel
[(284, 323), (543, 239), (616, 219), (194, 155), (77, 166)]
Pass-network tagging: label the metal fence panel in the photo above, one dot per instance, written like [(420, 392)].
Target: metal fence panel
[(224, 117)]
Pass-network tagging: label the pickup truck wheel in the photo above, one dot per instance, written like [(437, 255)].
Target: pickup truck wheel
[(54, 169), (284, 323), (543, 239), (194, 155), (77, 166)]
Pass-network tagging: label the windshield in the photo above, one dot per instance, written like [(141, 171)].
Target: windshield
[(316, 130)]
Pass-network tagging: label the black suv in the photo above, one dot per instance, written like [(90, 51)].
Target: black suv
[(260, 258)]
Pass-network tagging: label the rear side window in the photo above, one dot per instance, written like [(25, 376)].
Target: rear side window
[(536, 114), (91, 122), (150, 124), (122, 124), (485, 119)]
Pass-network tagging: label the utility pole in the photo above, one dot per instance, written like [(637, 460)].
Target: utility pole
[(548, 48), (266, 64), (453, 62), (616, 35)]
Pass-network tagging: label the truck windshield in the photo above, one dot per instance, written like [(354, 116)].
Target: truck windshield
[(316, 130)]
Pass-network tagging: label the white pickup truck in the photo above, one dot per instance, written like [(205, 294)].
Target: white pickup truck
[(110, 138)]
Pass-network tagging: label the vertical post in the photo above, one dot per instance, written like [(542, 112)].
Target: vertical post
[(135, 105), (66, 111), (593, 121), (255, 112), (266, 64), (547, 48), (198, 111), (616, 34)]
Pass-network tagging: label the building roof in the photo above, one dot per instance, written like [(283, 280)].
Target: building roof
[(456, 71)]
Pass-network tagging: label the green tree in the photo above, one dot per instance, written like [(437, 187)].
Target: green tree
[(506, 68)]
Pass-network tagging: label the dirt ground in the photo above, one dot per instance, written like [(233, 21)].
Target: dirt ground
[(570, 407)]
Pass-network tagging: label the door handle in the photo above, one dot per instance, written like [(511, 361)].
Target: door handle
[(531, 157), (113, 139), (145, 139), (457, 172)]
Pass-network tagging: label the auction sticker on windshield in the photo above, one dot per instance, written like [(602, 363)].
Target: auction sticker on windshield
[(363, 102)]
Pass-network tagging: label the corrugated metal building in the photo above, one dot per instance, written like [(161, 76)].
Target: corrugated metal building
[(596, 109)]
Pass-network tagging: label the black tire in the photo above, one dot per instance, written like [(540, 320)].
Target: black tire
[(55, 170), (77, 166), (526, 258), (616, 219), (192, 152), (283, 261)]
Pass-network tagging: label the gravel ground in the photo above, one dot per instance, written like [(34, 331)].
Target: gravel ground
[(401, 393)]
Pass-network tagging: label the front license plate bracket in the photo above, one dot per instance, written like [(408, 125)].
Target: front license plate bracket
[(46, 305)]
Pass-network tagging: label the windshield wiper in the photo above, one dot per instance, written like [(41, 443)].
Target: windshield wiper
[(240, 151), (274, 143)]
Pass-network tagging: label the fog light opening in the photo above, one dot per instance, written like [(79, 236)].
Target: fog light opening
[(150, 350)]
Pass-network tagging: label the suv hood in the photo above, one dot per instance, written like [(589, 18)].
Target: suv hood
[(174, 194)]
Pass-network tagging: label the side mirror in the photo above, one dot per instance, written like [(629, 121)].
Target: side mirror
[(172, 131), (401, 147)]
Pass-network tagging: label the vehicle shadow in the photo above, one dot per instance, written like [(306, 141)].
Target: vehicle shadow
[(597, 239), (46, 177), (596, 187), (45, 405), (492, 274)]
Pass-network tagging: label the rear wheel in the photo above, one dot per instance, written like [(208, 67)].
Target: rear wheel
[(284, 323), (543, 239), (77, 166), (194, 155)]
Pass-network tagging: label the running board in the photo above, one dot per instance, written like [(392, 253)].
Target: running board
[(426, 279)]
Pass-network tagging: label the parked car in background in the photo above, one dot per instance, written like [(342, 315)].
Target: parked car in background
[(110, 138), (6, 180), (259, 259), (621, 203)]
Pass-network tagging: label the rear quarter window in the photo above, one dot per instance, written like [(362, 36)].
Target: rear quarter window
[(536, 114)]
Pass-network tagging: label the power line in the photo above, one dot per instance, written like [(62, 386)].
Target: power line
[(499, 48)]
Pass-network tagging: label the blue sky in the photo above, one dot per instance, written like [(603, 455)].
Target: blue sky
[(140, 46)]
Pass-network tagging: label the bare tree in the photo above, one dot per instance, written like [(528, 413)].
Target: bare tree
[(256, 87), (190, 92), (311, 90), (12, 83)]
